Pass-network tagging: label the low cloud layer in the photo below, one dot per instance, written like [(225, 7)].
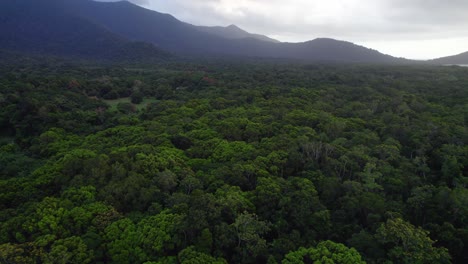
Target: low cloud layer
[(387, 25)]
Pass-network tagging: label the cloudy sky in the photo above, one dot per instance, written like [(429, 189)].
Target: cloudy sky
[(416, 29)]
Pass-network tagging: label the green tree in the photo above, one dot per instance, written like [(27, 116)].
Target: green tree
[(159, 233), (69, 250), (325, 252), (406, 243), (249, 230), (191, 256), (136, 97), (123, 242)]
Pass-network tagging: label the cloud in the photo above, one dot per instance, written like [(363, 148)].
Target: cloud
[(347, 18)]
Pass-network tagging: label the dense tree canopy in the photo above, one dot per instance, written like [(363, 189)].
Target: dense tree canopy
[(233, 163)]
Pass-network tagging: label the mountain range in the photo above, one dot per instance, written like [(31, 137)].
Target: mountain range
[(124, 31)]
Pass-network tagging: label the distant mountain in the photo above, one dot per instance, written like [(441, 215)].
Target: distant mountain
[(167, 32), (108, 29), (326, 49), (47, 27), (234, 32), (461, 58)]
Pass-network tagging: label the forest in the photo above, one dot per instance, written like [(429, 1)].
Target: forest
[(230, 162)]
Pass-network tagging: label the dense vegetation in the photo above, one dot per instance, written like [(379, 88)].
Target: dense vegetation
[(233, 163), (46, 27)]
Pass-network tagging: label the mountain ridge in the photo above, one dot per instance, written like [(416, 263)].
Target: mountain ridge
[(234, 32), (461, 58), (169, 33), (125, 23)]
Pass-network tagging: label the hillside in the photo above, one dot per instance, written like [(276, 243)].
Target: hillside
[(456, 59), (234, 32), (49, 28), (171, 34)]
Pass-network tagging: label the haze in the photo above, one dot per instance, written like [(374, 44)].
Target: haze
[(416, 29)]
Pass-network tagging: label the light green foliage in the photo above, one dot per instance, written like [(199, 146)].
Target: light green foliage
[(159, 233), (124, 243), (69, 250), (233, 151), (370, 177), (409, 244), (144, 241), (249, 230), (326, 252), (190, 256)]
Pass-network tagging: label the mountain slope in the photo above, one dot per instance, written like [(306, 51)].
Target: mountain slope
[(461, 58), (234, 32), (47, 27), (168, 33), (85, 28), (326, 49)]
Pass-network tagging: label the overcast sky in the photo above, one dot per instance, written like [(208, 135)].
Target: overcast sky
[(415, 29)]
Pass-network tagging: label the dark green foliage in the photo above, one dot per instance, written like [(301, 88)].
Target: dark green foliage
[(233, 163), (136, 97)]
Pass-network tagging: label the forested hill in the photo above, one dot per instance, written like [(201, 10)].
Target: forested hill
[(233, 32), (456, 59), (233, 163), (171, 34), (49, 27), (107, 30)]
